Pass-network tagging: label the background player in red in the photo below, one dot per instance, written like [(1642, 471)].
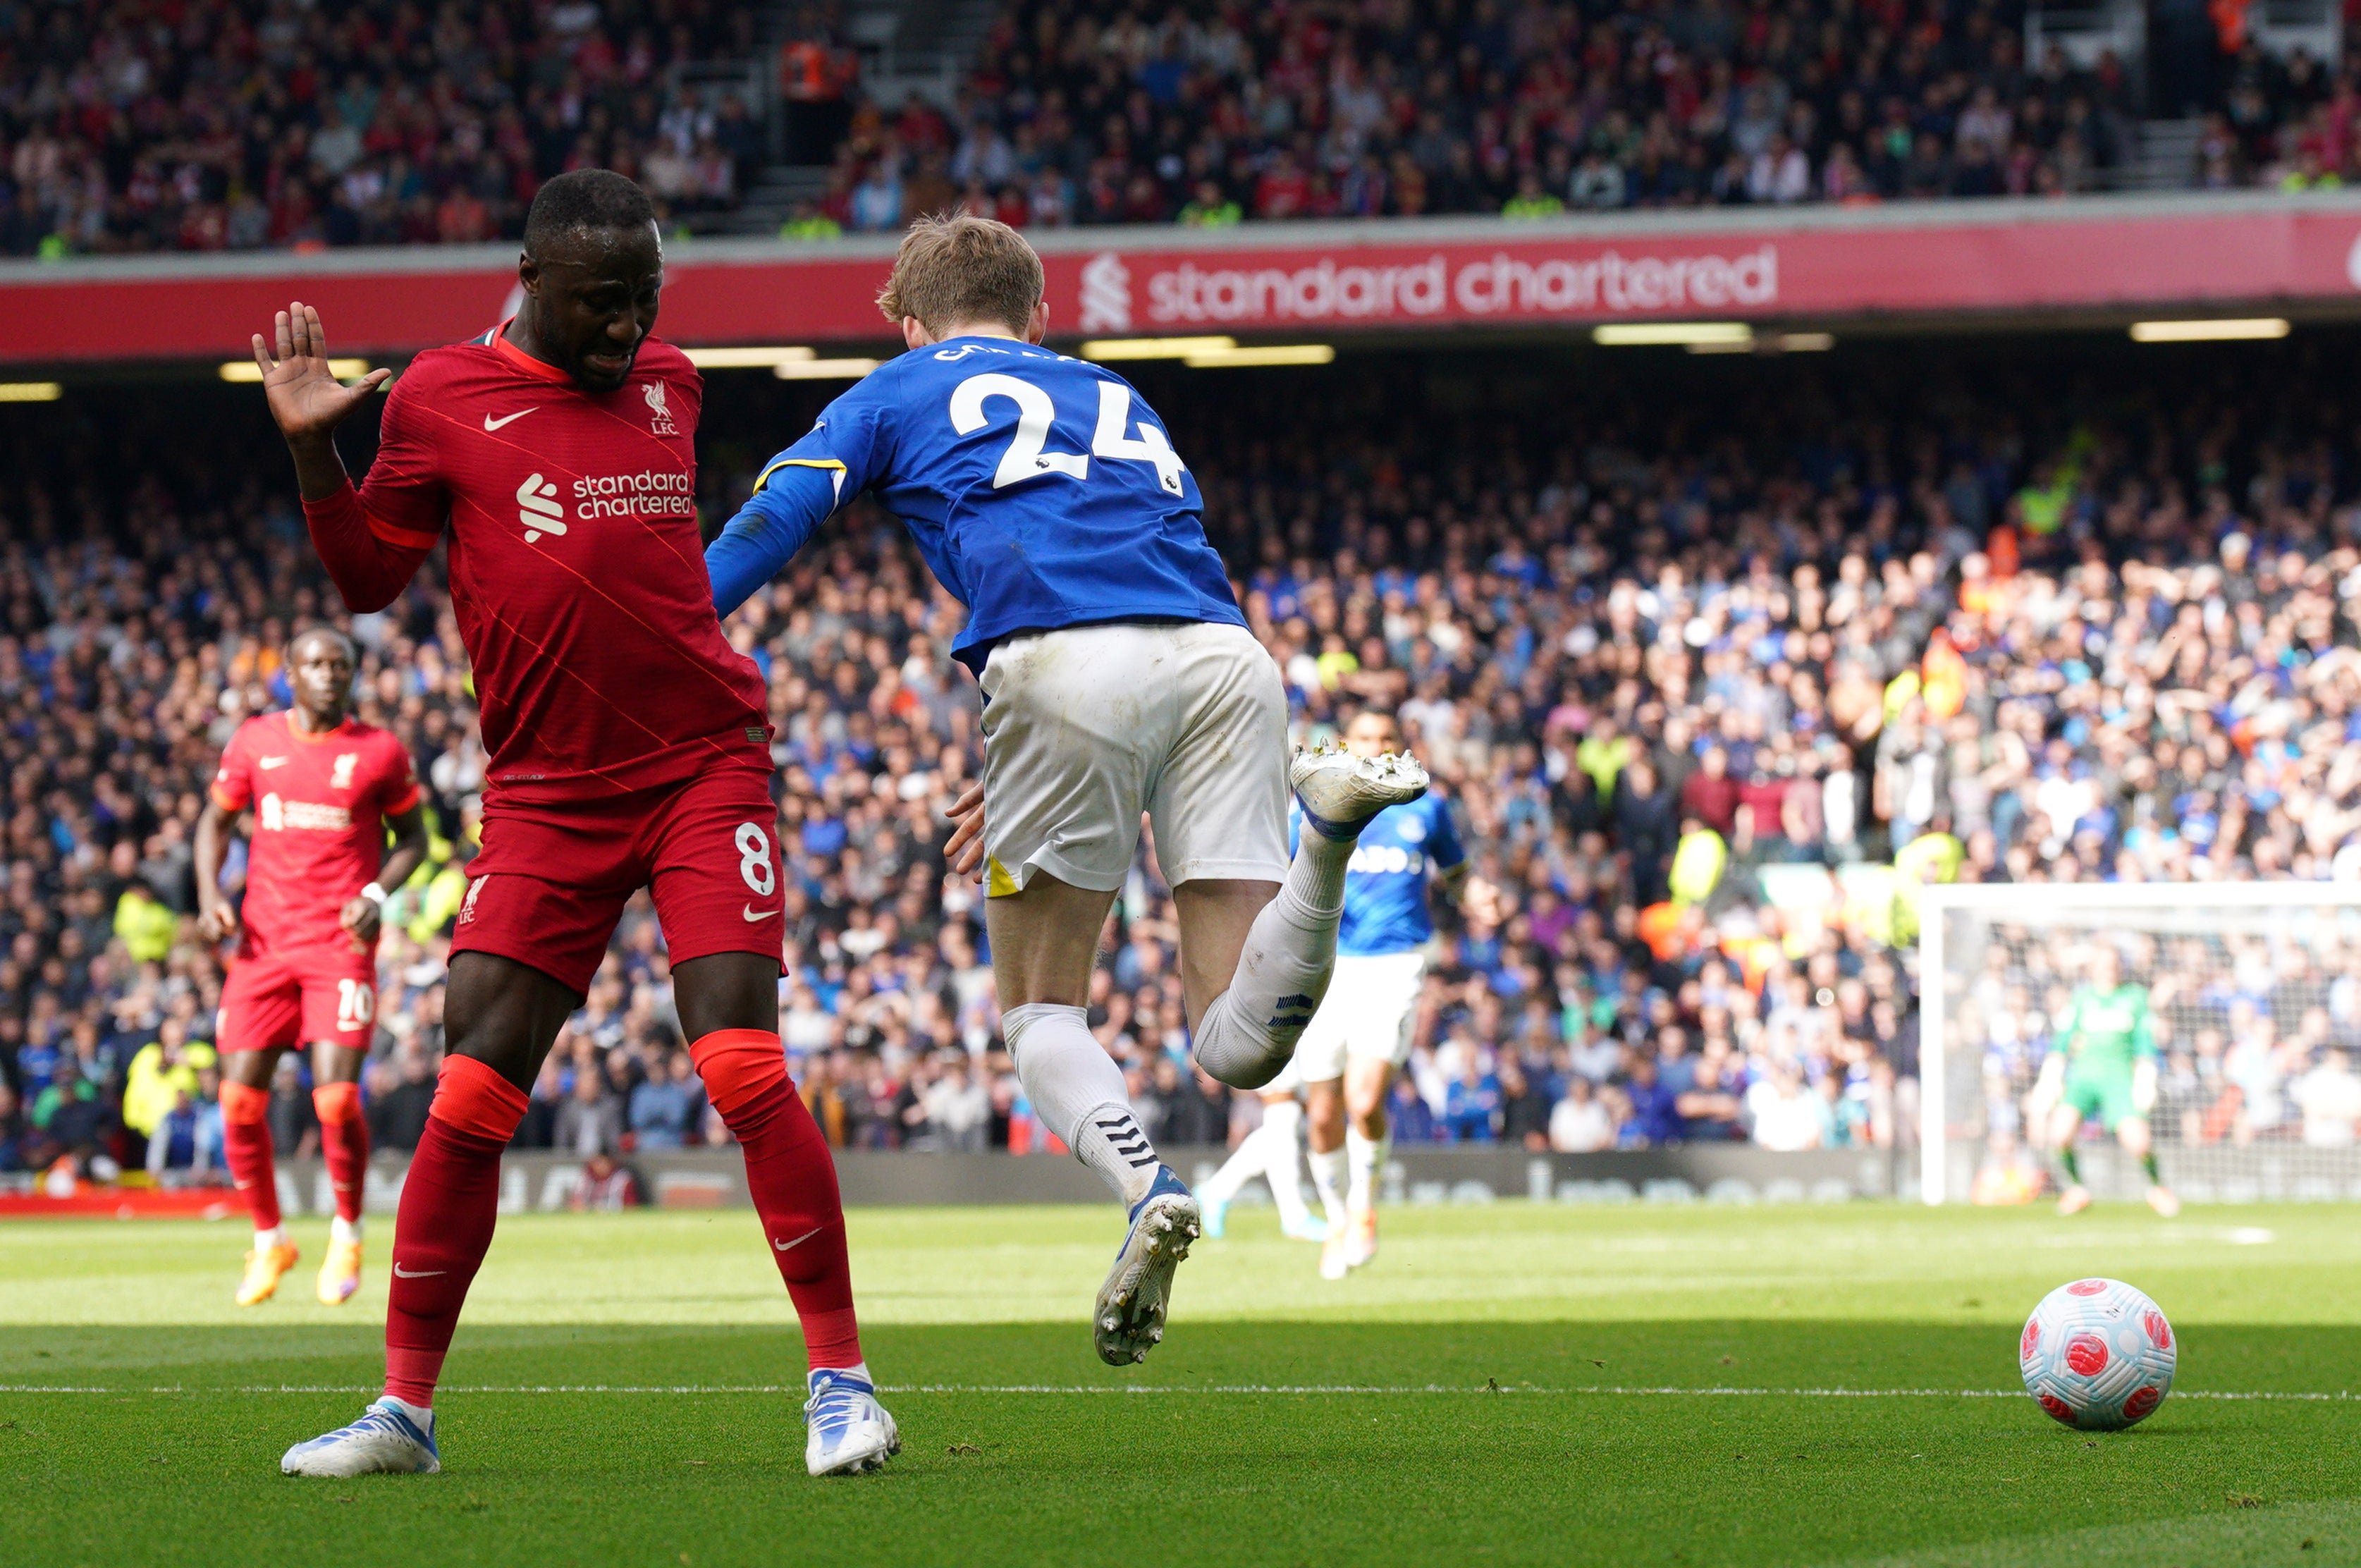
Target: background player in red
[(323, 788), (628, 747)]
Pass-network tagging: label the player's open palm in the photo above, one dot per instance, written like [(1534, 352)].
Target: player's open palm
[(305, 397)]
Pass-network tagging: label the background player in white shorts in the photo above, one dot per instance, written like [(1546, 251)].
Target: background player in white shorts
[(1118, 675), (1361, 1034)]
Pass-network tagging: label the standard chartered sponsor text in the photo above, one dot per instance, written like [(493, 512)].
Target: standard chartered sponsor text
[(1502, 284), (644, 494)]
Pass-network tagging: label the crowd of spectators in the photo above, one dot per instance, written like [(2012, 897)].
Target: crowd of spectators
[(1114, 112), (209, 124), (1710, 663), (213, 125)]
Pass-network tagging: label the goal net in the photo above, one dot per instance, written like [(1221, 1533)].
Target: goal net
[(2254, 994)]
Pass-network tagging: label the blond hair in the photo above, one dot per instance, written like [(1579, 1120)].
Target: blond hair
[(955, 268)]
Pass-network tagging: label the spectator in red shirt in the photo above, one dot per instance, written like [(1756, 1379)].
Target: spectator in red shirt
[(1711, 795), (1761, 831)]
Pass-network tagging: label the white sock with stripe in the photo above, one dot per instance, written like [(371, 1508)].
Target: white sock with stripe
[(1079, 1093)]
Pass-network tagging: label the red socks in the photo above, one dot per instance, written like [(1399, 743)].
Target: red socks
[(246, 1146), (344, 1144), (449, 1202), (792, 1179)]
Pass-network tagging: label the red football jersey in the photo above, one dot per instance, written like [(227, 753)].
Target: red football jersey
[(320, 804), (577, 571)]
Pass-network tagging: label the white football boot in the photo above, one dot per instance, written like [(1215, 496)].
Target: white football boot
[(391, 1439), (850, 1432), (1341, 789), (1128, 1318)]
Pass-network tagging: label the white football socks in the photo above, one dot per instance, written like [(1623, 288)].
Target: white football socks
[(265, 1240), (1328, 1176), (1079, 1093), (341, 1229), (1283, 1143), (1368, 1156), (1247, 1035), (1246, 1162)]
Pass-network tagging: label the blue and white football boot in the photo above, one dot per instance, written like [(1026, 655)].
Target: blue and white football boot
[(1341, 791), (850, 1432), (1129, 1317), (1215, 1217), (391, 1438)]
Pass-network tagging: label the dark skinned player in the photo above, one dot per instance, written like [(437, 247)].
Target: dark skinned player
[(321, 789), (628, 747)]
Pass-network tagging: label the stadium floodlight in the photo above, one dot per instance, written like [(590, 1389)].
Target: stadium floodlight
[(823, 369), (2228, 331), (248, 370), (1155, 348), (1638, 335), (30, 391), (1994, 957), (1273, 354), (1773, 342), (755, 358)]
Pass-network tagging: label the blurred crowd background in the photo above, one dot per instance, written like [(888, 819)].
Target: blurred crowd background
[(210, 124), (1715, 661)]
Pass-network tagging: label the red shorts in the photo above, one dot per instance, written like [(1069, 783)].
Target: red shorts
[(327, 992), (553, 879)]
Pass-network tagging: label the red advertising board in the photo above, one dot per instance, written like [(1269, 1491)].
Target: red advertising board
[(1290, 280)]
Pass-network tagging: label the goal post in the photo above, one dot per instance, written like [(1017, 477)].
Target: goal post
[(2254, 994)]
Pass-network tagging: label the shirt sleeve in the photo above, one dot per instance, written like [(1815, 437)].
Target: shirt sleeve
[(403, 498), (2143, 1028), (398, 791), (232, 787), (795, 492), (1442, 846)]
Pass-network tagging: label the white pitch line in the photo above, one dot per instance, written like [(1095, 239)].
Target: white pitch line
[(1605, 1390)]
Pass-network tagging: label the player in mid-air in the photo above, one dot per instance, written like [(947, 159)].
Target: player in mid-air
[(2102, 1067), (629, 748), (1117, 674), (1361, 1036), (323, 788)]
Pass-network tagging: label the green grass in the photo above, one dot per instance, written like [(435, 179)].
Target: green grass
[(1284, 1421)]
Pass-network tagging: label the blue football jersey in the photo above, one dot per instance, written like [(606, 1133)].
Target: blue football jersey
[(1041, 489), (1385, 885)]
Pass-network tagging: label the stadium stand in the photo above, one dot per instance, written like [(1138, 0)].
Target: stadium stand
[(236, 124), (1108, 113), (1704, 704)]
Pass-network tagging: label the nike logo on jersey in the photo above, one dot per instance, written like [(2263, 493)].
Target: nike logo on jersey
[(785, 1246), (752, 914), (270, 761), (417, 1273), (491, 424)]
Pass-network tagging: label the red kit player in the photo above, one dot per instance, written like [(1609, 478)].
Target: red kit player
[(323, 788), (629, 748)]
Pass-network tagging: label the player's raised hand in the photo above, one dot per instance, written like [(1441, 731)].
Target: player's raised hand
[(964, 850), (305, 397)]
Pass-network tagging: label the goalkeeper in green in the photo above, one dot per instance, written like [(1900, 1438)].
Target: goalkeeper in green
[(2102, 1067)]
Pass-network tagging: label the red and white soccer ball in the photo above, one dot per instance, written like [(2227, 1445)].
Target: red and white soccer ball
[(2097, 1356)]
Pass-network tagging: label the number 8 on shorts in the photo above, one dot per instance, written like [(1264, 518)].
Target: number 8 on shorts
[(754, 858)]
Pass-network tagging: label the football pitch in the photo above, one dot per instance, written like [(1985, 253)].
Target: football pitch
[(1511, 1383)]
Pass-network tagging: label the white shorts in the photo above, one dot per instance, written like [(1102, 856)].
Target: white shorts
[(1086, 728), (1368, 1012)]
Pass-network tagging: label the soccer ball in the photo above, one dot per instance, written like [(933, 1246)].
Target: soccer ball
[(2097, 1356)]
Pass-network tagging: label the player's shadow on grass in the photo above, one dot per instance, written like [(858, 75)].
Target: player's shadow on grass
[(1732, 1354)]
